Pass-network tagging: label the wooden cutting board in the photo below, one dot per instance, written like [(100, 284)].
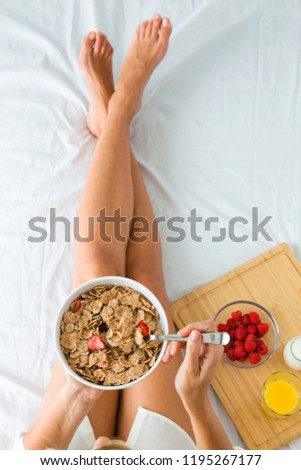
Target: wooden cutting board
[(273, 280)]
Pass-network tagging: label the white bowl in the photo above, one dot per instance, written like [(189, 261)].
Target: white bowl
[(102, 281)]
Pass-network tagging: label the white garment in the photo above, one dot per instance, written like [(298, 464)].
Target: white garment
[(149, 431), (152, 431)]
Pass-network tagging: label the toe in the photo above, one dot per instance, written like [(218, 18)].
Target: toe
[(109, 50), (88, 42), (156, 25), (142, 29), (166, 28), (98, 43), (149, 28), (105, 45)]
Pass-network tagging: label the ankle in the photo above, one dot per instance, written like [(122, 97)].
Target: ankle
[(121, 106)]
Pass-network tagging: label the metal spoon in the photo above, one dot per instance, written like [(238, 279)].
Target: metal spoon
[(208, 338)]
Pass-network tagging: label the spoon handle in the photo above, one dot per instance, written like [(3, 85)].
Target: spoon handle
[(208, 338)]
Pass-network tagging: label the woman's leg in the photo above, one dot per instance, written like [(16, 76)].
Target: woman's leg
[(144, 264), (95, 259)]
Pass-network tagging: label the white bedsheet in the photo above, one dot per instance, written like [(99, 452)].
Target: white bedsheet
[(219, 131)]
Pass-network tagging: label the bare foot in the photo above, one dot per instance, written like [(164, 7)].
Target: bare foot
[(146, 51), (95, 61)]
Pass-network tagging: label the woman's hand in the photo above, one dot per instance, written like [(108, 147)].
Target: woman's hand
[(85, 393), (198, 368)]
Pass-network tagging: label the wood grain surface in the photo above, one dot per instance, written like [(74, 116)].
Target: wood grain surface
[(273, 280)]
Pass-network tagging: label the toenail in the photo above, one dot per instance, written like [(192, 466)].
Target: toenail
[(165, 22), (92, 36)]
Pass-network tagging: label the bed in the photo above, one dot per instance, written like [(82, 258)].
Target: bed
[(218, 138)]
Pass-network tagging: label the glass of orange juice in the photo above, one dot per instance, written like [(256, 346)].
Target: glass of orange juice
[(281, 395)]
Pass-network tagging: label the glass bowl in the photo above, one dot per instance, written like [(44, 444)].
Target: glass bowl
[(271, 338)]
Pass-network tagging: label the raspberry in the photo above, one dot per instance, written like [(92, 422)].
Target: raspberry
[(262, 329), (77, 305), (227, 347), (144, 328), (239, 352), (243, 358), (231, 323), (222, 327), (240, 333), (251, 329), (262, 349), (254, 358), (250, 338), (237, 316), (244, 331), (232, 333), (230, 355), (250, 346), (96, 343), (254, 317)]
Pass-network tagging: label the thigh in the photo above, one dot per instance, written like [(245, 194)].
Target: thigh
[(90, 266), (156, 393), (90, 263)]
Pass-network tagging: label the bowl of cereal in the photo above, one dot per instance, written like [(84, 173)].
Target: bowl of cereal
[(102, 333)]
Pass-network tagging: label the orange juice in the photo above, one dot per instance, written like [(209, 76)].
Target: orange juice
[(281, 397)]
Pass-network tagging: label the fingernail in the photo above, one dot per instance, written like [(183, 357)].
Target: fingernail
[(92, 36), (195, 335), (158, 16), (165, 22), (165, 357)]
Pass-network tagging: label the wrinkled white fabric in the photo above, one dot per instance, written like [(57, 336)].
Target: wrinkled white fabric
[(219, 131)]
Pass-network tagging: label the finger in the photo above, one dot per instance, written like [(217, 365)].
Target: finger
[(202, 326), (192, 356), (172, 349)]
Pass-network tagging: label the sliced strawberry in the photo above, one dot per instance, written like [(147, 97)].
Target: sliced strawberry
[(144, 328), (262, 329), (96, 343), (254, 317), (222, 327), (252, 329), (77, 305), (250, 346), (245, 319), (254, 358), (237, 316), (231, 323), (262, 349)]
